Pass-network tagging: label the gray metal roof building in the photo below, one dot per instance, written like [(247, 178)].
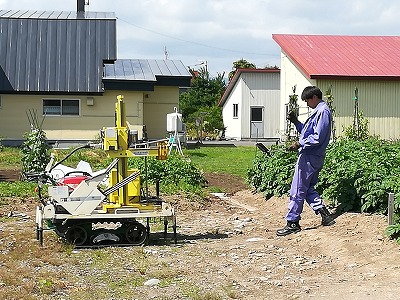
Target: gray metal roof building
[(144, 74), (55, 52)]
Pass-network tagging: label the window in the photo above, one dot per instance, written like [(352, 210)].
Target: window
[(235, 110), (60, 107), (256, 114)]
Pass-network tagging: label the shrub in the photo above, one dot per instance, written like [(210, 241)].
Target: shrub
[(175, 171), (357, 175), (35, 148), (393, 231), (359, 130), (272, 175)]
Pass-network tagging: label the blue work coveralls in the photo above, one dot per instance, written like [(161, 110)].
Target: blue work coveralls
[(314, 138)]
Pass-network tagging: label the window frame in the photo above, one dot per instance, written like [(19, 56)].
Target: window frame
[(61, 114), (235, 110)]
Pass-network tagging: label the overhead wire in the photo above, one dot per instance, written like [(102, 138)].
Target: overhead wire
[(194, 42)]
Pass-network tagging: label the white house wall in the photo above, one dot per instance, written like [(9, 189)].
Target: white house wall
[(292, 76), (233, 125)]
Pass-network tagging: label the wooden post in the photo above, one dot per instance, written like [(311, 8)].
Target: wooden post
[(390, 208)]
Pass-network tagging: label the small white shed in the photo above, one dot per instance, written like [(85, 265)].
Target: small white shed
[(250, 105)]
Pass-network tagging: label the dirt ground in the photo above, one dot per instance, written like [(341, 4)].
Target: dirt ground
[(9, 175), (228, 249), (349, 260)]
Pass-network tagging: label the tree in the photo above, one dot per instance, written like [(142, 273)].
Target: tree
[(201, 100), (240, 64)]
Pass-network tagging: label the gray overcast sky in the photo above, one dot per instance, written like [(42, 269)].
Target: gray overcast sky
[(223, 31)]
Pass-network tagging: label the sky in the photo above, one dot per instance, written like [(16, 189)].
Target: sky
[(216, 33)]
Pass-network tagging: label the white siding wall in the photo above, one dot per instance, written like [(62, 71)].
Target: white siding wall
[(233, 125), (261, 90), (291, 76)]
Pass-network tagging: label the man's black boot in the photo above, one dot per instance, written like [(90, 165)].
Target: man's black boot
[(327, 218), (291, 227)]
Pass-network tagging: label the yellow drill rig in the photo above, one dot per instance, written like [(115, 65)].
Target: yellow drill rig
[(90, 215)]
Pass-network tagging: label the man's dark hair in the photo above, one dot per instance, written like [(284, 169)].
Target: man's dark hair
[(310, 91)]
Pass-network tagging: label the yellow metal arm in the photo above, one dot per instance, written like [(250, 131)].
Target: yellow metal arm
[(160, 152), (116, 143)]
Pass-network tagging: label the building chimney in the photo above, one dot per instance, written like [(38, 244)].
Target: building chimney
[(80, 6)]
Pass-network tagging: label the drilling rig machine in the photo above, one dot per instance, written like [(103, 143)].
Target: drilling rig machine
[(89, 215)]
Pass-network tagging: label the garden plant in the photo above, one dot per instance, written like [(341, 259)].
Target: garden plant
[(357, 176)]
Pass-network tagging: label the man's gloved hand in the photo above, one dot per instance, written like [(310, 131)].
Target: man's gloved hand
[(294, 146), (292, 117)]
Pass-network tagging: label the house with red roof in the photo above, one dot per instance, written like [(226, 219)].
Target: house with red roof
[(369, 63), (250, 105)]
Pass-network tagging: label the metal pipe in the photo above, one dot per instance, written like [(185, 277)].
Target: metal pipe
[(390, 208)]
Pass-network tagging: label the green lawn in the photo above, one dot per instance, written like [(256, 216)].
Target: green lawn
[(226, 160), (10, 158), (230, 160)]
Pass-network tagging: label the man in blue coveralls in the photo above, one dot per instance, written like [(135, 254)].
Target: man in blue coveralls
[(313, 140)]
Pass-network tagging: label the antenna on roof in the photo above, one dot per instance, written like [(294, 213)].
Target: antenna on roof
[(165, 52)]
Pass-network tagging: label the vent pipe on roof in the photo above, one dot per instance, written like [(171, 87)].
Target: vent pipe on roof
[(81, 5)]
